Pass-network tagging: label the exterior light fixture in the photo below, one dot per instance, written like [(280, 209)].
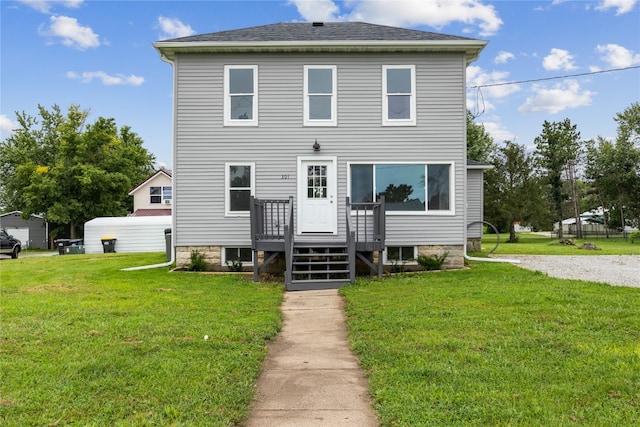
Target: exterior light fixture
[(316, 146)]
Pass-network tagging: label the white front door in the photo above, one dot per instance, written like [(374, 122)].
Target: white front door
[(317, 204)]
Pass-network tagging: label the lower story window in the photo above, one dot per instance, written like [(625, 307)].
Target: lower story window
[(400, 254), (243, 254)]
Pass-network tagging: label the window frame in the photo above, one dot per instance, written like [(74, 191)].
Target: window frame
[(223, 255), (227, 188), (228, 121), (333, 121), (387, 261), (161, 194), (426, 211), (386, 121)]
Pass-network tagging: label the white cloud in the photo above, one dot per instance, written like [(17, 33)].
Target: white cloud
[(498, 132), (106, 79), (6, 125), (558, 59), (45, 6), (621, 6), (406, 13), (71, 32), (173, 28), (617, 56), (562, 96), (503, 57), (317, 10), (477, 76)]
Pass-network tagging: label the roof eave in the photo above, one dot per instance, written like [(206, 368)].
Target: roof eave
[(470, 47)]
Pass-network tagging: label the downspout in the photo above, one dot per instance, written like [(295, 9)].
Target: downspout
[(473, 258), (164, 264), (173, 218)]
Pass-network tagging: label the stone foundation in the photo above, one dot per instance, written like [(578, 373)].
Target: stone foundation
[(474, 244), (213, 256), (455, 259)]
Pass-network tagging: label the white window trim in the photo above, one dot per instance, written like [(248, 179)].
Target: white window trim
[(334, 96), (452, 188), (411, 121), (227, 202), (162, 198), (223, 255), (386, 261), (227, 97)]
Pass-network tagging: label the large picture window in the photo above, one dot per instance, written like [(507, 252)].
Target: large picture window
[(241, 95), (399, 95), (320, 95), (406, 187), (239, 184)]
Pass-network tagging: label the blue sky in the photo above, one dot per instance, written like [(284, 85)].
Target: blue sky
[(99, 55)]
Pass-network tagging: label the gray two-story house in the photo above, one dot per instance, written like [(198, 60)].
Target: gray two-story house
[(319, 147)]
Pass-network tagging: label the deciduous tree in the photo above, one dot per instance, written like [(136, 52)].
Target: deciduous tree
[(557, 148), (69, 171)]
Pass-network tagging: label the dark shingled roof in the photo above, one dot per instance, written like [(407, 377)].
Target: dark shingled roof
[(329, 31)]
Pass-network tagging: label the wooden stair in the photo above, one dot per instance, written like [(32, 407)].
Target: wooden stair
[(319, 266)]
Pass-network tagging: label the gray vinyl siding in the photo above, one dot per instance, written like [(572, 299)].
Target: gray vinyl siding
[(203, 144), (474, 202)]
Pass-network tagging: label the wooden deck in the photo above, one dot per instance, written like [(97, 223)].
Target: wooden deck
[(317, 265)]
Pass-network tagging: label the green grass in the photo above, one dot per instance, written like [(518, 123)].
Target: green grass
[(535, 244), (83, 343), (497, 345)]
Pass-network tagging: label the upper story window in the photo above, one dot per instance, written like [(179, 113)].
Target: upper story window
[(320, 95), (399, 95), (240, 185), (160, 195), (406, 187), (241, 95)]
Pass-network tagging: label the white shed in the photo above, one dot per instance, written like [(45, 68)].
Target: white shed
[(133, 234)]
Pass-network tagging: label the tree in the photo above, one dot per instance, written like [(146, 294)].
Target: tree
[(480, 145), (512, 190), (70, 172), (613, 167), (557, 148)]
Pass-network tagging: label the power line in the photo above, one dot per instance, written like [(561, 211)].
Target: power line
[(554, 78)]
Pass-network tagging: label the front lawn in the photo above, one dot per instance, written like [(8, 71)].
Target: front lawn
[(83, 343), (497, 345)]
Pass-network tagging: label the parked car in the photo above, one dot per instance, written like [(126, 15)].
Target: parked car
[(9, 245)]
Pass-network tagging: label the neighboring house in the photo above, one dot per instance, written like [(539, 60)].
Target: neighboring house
[(154, 196), (308, 146), (33, 232)]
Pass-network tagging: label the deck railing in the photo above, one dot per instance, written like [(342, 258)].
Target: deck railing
[(268, 220), (367, 221), (366, 233)]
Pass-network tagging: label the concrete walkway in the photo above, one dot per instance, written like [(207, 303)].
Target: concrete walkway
[(310, 377)]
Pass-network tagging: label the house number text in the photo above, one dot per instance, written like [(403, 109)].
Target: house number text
[(285, 176)]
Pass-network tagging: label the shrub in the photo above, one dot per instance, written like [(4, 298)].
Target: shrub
[(234, 264), (634, 236), (397, 265), (197, 262), (432, 262)]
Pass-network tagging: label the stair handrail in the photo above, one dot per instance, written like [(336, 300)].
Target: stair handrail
[(288, 244)]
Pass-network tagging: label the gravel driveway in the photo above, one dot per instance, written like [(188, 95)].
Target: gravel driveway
[(620, 270)]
